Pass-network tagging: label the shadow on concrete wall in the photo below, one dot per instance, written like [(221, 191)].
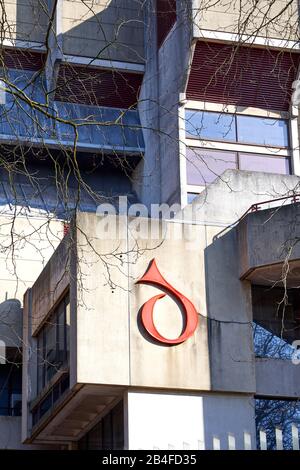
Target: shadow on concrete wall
[(114, 33), (230, 336)]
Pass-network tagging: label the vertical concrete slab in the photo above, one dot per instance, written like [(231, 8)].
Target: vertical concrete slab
[(181, 263), (102, 302), (230, 316), (173, 421), (228, 417)]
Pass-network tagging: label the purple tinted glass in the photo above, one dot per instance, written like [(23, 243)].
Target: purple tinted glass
[(264, 163), (204, 166)]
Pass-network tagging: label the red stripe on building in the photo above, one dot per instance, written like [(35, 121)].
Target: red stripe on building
[(166, 18), (242, 76), (22, 59), (86, 85)]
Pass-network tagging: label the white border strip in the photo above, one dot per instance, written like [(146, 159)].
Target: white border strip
[(108, 64), (235, 147), (245, 39), (231, 109), (17, 44)]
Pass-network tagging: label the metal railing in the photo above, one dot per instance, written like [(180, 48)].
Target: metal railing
[(294, 198), (266, 440)]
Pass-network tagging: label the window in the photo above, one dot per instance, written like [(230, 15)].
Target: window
[(10, 390), (191, 197), (53, 344), (108, 434), (204, 166), (211, 126), (262, 131), (52, 396), (264, 163), (227, 127)]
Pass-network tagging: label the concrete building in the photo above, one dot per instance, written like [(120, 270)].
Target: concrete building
[(169, 102)]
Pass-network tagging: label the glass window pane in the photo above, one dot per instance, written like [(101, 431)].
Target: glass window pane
[(40, 361), (4, 395), (61, 339), (191, 197), (46, 404), (204, 166), (207, 125), (50, 340), (94, 441), (118, 426), (264, 163), (107, 436), (68, 324), (53, 344), (262, 131)]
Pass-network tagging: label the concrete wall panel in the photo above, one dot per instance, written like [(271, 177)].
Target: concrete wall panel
[(102, 304), (277, 19), (277, 378), (185, 421), (230, 316), (110, 29), (24, 20), (181, 263)]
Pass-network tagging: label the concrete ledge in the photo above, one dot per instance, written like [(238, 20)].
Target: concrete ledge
[(277, 378), (266, 239)]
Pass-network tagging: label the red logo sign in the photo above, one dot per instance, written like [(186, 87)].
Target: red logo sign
[(153, 277)]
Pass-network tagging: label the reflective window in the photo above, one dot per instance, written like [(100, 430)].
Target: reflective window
[(262, 131), (108, 434), (191, 197), (10, 389), (53, 344), (264, 163), (212, 126), (204, 166), (236, 128), (101, 126), (51, 398)]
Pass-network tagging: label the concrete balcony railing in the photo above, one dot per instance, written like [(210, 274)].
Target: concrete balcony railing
[(268, 246)]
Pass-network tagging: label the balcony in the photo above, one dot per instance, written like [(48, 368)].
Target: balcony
[(100, 129), (269, 251)]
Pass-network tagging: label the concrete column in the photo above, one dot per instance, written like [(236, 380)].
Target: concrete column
[(294, 141), (179, 421)]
